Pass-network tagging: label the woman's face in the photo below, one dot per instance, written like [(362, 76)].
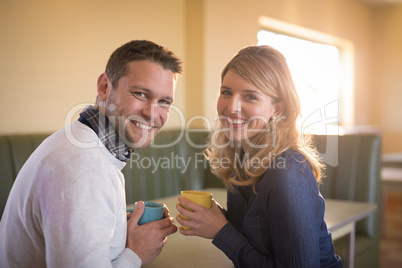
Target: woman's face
[(242, 108)]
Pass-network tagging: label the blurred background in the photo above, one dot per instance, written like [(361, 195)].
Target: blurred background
[(52, 53), (345, 57)]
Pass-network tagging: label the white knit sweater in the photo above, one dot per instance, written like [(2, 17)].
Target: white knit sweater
[(67, 206)]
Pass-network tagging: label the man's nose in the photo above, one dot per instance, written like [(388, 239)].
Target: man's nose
[(147, 110)]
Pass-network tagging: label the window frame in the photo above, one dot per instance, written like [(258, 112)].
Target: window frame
[(346, 59)]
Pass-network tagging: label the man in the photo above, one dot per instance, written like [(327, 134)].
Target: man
[(67, 206)]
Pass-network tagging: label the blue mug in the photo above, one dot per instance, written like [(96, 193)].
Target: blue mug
[(153, 212)]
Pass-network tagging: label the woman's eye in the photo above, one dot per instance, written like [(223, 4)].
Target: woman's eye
[(251, 97), (225, 92)]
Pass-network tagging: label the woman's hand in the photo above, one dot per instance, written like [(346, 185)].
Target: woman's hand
[(204, 222)]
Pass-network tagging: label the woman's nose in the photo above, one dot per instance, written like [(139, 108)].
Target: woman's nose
[(234, 105)]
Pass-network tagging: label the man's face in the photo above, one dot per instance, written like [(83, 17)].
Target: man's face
[(139, 106)]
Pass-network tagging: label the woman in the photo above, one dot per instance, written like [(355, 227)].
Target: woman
[(275, 215)]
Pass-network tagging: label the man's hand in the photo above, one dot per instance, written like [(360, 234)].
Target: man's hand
[(148, 240)]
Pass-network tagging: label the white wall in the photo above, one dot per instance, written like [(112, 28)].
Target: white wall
[(52, 53)]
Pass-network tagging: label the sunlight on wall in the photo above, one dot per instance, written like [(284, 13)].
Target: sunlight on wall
[(322, 67), (316, 73)]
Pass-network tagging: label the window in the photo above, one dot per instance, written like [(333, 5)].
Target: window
[(321, 70)]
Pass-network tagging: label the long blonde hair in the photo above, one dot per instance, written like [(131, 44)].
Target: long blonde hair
[(265, 68)]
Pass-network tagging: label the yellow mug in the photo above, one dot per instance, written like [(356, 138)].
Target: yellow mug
[(202, 198)]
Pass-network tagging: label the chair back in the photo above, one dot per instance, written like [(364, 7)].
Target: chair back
[(355, 176)]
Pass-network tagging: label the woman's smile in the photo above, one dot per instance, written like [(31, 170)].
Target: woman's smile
[(241, 105)]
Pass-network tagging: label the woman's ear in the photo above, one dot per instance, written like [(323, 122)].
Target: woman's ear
[(279, 108), (103, 86)]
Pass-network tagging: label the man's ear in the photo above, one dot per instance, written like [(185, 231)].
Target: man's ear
[(279, 108), (103, 87)]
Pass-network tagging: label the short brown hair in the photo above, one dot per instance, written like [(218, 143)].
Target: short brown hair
[(140, 50)]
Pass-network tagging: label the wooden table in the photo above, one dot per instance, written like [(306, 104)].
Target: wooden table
[(190, 251)]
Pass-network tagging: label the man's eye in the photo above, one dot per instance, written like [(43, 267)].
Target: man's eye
[(165, 103), (141, 95)]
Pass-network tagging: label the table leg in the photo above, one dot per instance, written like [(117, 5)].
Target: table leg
[(384, 196), (351, 251)]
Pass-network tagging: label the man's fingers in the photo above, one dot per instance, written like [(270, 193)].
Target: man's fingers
[(138, 211), (171, 230), (165, 225), (166, 212), (165, 222)]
